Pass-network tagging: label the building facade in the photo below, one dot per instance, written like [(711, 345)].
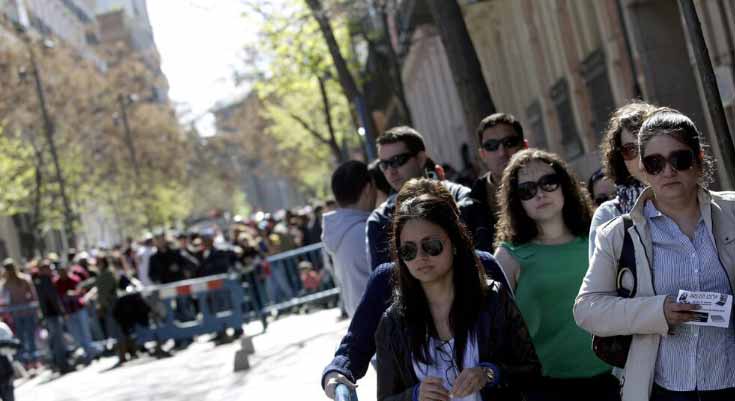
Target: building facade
[(562, 66)]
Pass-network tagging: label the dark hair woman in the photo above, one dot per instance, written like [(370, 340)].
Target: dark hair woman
[(619, 150), (542, 247), (450, 331), (682, 239)]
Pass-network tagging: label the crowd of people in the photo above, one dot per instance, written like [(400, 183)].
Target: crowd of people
[(90, 302), (495, 288), (498, 290)]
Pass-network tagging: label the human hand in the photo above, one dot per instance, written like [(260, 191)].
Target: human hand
[(332, 379), (470, 381), (432, 389), (677, 313)]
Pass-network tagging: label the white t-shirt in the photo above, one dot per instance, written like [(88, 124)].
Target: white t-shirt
[(444, 366), (144, 257)]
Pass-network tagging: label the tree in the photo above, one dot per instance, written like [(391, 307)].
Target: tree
[(463, 62), (346, 80)]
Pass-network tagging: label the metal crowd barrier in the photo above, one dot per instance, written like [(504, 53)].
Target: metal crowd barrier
[(344, 393), (188, 308), (287, 282)]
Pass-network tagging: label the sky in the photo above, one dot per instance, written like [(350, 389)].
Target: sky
[(200, 43)]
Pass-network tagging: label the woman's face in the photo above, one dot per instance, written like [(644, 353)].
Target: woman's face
[(544, 205), (424, 237), (634, 168), (670, 183)]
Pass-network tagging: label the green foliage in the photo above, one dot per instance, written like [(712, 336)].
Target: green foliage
[(296, 56)]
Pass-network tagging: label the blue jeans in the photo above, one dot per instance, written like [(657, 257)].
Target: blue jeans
[(25, 327), (78, 325), (279, 290), (55, 327)]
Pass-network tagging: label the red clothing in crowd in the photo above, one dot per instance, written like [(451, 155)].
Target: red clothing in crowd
[(67, 289)]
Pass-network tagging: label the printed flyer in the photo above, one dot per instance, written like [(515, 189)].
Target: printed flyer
[(714, 309)]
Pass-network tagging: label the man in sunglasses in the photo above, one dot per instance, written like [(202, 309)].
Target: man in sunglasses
[(501, 136), (402, 155)]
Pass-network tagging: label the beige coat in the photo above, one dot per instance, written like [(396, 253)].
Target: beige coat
[(600, 311)]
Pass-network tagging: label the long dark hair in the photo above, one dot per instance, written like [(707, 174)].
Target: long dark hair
[(429, 200), (629, 117), (514, 225)]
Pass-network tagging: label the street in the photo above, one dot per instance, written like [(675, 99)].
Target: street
[(287, 364)]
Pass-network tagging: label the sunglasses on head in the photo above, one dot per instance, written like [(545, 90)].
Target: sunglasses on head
[(513, 141), (679, 160), (548, 183), (395, 161), (629, 151), (409, 250)]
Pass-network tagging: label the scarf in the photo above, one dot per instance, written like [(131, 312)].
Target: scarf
[(627, 194)]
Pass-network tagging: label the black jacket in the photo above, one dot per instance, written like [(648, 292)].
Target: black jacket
[(218, 261), (480, 216), (166, 266), (502, 339)]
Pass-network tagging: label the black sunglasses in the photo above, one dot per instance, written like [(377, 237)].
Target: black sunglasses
[(548, 183), (395, 161), (513, 141), (629, 151), (679, 160), (409, 250)]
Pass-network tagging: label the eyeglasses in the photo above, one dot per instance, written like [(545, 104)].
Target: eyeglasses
[(629, 151), (409, 250), (491, 145), (395, 161), (600, 199), (679, 160), (548, 183), (447, 356)]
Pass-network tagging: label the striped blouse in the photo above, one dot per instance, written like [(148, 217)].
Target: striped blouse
[(691, 357)]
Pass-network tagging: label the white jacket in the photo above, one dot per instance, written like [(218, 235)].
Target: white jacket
[(599, 310)]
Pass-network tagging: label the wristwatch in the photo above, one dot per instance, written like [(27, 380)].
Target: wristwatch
[(489, 374)]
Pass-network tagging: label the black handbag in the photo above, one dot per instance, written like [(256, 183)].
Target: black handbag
[(614, 350)]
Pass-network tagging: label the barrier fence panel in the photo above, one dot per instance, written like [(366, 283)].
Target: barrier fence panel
[(189, 308), (285, 271), (344, 393)]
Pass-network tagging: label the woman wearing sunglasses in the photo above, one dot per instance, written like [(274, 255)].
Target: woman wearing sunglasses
[(619, 150), (682, 235), (542, 247), (449, 332)]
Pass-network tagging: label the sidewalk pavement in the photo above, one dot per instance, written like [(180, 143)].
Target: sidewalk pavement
[(287, 365)]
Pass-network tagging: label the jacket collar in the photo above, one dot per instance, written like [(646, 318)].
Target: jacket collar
[(703, 196)]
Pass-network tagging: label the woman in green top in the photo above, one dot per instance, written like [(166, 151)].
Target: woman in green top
[(541, 243)]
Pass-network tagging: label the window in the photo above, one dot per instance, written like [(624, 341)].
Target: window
[(569, 136), (594, 71), (535, 118)]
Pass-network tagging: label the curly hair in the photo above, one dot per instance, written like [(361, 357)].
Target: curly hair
[(670, 122), (428, 200), (629, 117), (514, 226)]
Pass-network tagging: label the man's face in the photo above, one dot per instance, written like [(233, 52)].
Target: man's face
[(412, 168), (496, 160)]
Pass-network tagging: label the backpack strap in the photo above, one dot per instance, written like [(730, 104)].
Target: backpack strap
[(626, 263)]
